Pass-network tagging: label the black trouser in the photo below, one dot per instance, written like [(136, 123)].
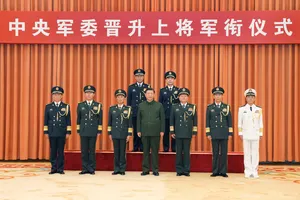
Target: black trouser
[(137, 142), (166, 138), (183, 146), (219, 161), (57, 159), (150, 142), (119, 155), (88, 153)]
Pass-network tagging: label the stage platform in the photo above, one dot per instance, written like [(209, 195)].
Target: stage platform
[(200, 162)]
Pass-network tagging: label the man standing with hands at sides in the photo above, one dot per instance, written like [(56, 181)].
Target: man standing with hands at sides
[(136, 95), (218, 128), (250, 123), (150, 126), (119, 130), (89, 125), (168, 97), (57, 126), (183, 125)]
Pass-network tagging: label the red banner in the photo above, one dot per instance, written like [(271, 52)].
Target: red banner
[(244, 27)]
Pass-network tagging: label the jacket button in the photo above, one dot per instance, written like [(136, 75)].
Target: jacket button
[(53, 116), (180, 116), (54, 120), (180, 120), (91, 124), (216, 126), (85, 114), (85, 123), (116, 126), (116, 122), (221, 126), (216, 121), (53, 124)]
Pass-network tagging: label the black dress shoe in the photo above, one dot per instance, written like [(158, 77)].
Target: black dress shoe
[(122, 173), (224, 175), (186, 174), (52, 172), (61, 172), (179, 174), (214, 175), (92, 173), (114, 173), (83, 172), (144, 173), (155, 173)]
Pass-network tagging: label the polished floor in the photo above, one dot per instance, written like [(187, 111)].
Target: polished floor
[(31, 181)]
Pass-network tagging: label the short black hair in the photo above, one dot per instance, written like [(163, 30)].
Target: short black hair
[(149, 89)]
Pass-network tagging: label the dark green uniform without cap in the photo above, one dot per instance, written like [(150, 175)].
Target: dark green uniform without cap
[(150, 122)]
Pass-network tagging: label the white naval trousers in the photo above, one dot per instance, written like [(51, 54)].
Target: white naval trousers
[(251, 157)]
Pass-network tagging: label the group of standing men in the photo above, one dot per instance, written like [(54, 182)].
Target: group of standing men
[(150, 120)]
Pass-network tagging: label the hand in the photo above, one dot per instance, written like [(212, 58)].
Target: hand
[(209, 137), (128, 138), (139, 134), (110, 137), (67, 136), (173, 136), (161, 134)]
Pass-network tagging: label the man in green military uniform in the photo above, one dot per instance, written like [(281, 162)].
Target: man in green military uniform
[(150, 126), (57, 126), (120, 130), (183, 125), (218, 128), (89, 124)]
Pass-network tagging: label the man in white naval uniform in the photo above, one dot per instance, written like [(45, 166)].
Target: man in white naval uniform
[(250, 124)]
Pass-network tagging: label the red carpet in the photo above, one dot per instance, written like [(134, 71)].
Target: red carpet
[(200, 162)]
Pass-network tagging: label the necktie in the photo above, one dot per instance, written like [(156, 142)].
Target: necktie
[(170, 89), (120, 108), (218, 105), (250, 108), (57, 105)]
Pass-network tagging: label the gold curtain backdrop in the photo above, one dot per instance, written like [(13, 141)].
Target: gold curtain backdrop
[(27, 73)]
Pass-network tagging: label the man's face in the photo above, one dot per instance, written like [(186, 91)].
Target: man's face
[(89, 96), (149, 95), (120, 99), (139, 78), (250, 99), (183, 98), (218, 97), (56, 97), (170, 81)]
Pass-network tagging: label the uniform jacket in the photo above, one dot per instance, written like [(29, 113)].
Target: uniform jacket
[(89, 118), (250, 123), (218, 121), (136, 95), (120, 122), (151, 118), (183, 121), (168, 98), (57, 120)]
